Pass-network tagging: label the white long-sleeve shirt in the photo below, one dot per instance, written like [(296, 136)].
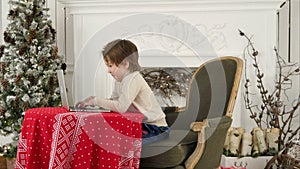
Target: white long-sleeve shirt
[(133, 94)]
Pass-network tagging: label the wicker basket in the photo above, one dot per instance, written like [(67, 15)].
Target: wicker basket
[(2, 162)]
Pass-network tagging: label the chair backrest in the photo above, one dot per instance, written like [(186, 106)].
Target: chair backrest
[(212, 92)]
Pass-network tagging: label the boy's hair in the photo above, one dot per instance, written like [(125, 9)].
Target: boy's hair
[(120, 49)]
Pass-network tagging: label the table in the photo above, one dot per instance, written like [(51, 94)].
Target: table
[(55, 138)]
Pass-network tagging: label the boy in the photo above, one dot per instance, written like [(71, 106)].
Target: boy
[(131, 92)]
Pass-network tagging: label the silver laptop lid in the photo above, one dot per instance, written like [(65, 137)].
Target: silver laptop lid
[(64, 96), (62, 89)]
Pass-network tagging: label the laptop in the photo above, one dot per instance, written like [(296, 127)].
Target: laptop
[(64, 98)]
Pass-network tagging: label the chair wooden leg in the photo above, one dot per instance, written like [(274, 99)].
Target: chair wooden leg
[(196, 155)]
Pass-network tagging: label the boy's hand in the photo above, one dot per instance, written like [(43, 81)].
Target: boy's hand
[(90, 101)]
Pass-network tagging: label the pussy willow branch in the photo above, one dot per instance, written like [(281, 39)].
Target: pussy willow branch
[(248, 102), (253, 54), (285, 79), (292, 115), (282, 80), (273, 107)]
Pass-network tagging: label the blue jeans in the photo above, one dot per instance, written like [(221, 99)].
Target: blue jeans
[(153, 133)]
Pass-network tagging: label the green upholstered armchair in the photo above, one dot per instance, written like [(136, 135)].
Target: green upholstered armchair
[(198, 131)]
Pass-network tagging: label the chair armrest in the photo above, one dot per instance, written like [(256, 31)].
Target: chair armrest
[(196, 155), (198, 126)]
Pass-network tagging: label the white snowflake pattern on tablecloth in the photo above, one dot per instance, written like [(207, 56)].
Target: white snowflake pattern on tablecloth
[(53, 138), (130, 161), (22, 149), (63, 138)]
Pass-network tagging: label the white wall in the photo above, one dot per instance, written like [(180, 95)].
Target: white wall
[(217, 20), (1, 21), (288, 46), (91, 24), (4, 11), (295, 51)]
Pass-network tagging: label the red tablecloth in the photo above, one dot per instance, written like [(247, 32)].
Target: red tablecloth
[(55, 138)]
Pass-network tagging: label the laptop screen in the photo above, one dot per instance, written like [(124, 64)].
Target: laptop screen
[(62, 89)]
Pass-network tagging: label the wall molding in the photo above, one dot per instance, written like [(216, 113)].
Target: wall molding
[(130, 6)]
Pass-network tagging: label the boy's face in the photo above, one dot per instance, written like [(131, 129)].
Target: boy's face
[(117, 72)]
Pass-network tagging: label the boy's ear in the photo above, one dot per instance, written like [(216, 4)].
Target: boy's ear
[(126, 64)]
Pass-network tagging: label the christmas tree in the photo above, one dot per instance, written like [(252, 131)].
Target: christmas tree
[(28, 62)]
